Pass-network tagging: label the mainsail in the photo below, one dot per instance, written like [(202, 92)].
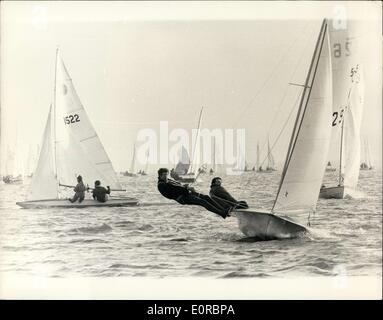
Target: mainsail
[(348, 93), (307, 154), (183, 164), (133, 163), (194, 165), (78, 149)]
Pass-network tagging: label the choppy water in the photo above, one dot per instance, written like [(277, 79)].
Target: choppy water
[(187, 240)]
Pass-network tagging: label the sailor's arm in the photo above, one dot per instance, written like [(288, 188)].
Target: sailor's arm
[(222, 193)]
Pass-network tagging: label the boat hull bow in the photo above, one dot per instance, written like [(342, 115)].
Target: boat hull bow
[(266, 226)]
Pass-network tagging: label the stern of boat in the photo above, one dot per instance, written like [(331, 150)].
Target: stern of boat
[(332, 193)]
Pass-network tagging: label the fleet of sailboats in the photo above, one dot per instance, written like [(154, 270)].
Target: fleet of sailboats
[(329, 115), (70, 147)]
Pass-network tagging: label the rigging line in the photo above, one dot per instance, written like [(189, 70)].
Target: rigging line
[(297, 65), (271, 75), (285, 124)]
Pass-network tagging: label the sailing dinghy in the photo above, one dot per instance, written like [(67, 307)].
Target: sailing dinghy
[(366, 164), (305, 160), (70, 147), (348, 96), (185, 171)]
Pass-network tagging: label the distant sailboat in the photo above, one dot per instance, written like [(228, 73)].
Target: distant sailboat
[(187, 171), (329, 167), (366, 164), (70, 147), (306, 156), (270, 160), (348, 101), (145, 171), (131, 172), (14, 169), (240, 163), (213, 169)]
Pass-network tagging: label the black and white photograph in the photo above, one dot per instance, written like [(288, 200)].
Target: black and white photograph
[(191, 150)]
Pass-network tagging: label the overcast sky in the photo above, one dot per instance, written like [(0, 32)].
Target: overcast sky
[(135, 64)]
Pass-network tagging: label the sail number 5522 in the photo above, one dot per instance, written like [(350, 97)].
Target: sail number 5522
[(72, 118)]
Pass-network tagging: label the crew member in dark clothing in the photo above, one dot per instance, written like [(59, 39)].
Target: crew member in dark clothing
[(224, 198), (79, 190), (184, 194), (99, 193)]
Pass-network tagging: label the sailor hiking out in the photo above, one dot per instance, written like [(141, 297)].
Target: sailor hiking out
[(184, 194), (224, 198)]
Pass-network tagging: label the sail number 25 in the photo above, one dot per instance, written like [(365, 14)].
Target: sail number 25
[(335, 115), (72, 118)]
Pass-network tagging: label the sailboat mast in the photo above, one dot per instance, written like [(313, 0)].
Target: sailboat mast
[(268, 153), (257, 156), (196, 140), (340, 154), (303, 103), (54, 124), (132, 165), (214, 166), (147, 162)]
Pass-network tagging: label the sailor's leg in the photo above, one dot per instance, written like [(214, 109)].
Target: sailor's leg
[(75, 198), (81, 198), (204, 201)]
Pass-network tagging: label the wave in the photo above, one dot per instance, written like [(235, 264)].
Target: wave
[(98, 229), (236, 274), (88, 241)]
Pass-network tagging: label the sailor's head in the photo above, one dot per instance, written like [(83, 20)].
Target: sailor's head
[(79, 178), (97, 183), (217, 181), (163, 173)]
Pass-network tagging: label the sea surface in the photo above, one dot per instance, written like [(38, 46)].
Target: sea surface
[(186, 241)]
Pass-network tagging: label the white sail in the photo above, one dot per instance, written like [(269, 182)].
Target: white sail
[(44, 183), (351, 133), (146, 162), (240, 161), (133, 163), (345, 42), (78, 147), (270, 158), (183, 164), (307, 155), (257, 156), (194, 164)]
